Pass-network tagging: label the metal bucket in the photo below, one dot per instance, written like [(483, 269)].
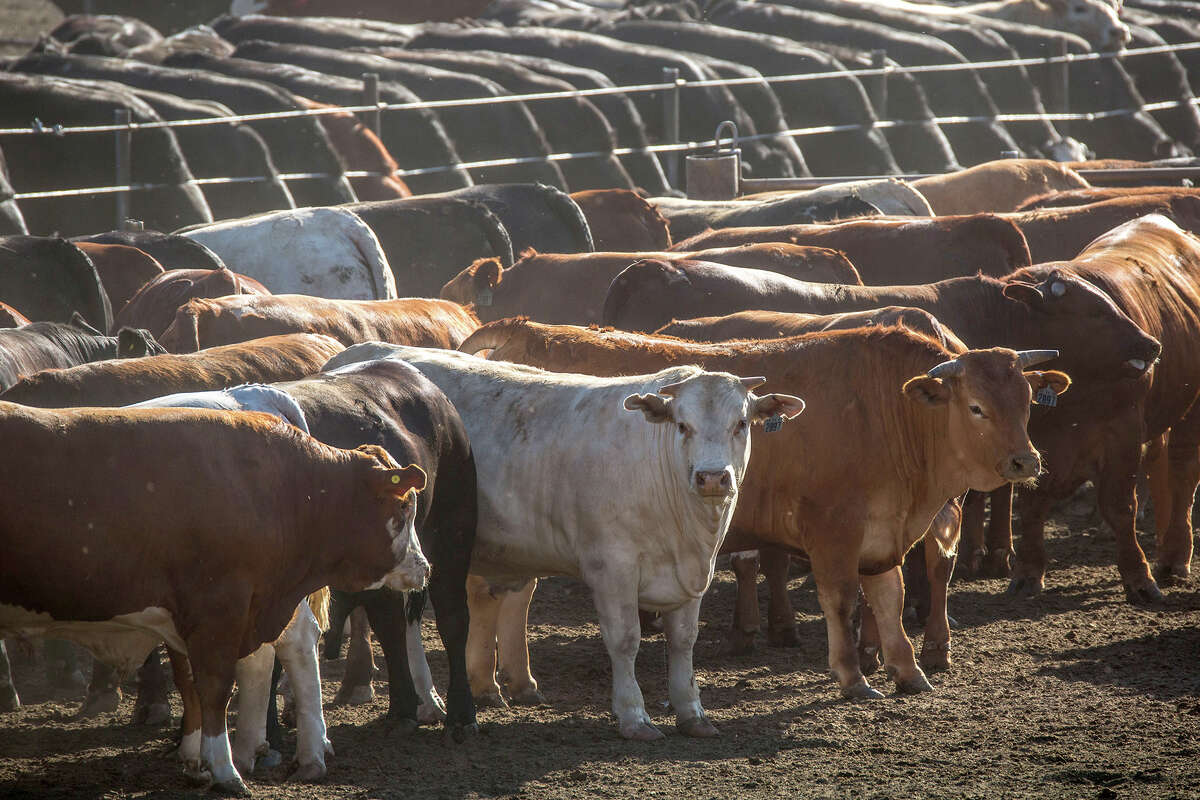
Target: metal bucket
[(714, 176)]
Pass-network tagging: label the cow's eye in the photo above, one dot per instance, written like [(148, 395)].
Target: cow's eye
[(976, 410), (740, 428), (684, 429)]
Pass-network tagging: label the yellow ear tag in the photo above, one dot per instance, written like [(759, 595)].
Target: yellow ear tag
[(395, 479)]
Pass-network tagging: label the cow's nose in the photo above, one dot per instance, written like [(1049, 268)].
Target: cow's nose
[(713, 483), (1021, 467)]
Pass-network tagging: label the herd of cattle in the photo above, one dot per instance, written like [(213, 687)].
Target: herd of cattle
[(384, 455), (255, 64)]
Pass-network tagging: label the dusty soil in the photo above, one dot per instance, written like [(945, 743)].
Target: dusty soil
[(1074, 694)]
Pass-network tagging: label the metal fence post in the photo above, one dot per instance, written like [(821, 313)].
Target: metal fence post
[(671, 123), (1059, 87), (370, 97), (124, 154), (879, 94)]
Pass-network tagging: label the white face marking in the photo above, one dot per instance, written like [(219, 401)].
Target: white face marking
[(412, 568)]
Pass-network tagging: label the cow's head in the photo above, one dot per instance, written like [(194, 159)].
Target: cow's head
[(394, 489), (1097, 21), (709, 418), (1098, 339), (475, 284), (985, 397)]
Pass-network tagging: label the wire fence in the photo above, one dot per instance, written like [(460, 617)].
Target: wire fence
[(673, 85)]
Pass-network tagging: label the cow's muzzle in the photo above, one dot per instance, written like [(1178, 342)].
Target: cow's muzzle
[(713, 483), (1020, 467), (1145, 358)]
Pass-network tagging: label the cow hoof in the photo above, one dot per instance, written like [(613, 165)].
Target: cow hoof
[(935, 657), (307, 773), (952, 622), (697, 727), (862, 691), (458, 734), (267, 759), (1145, 593), (234, 787), (914, 685), (430, 713), (197, 773), (151, 714), (401, 726), (104, 702), (529, 696), (783, 637), (739, 642), (9, 699), (355, 695), (642, 732), (1171, 575), (869, 659), (1025, 585), (490, 700)]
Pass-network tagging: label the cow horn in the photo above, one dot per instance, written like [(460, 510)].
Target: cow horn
[(752, 383), (946, 369), (670, 389), (1031, 358)]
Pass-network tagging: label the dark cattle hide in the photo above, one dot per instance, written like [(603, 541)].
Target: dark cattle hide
[(40, 163), (298, 144), (415, 137), (108, 34), (170, 250), (328, 32), (11, 220), (479, 133), (50, 279), (1159, 77), (535, 215), (428, 239), (57, 345)]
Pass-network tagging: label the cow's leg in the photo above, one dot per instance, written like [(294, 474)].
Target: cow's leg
[(916, 579), (213, 670), (386, 612), (9, 700), (1116, 490), (254, 687), (682, 626), (998, 561), (104, 691), (746, 619), (1173, 543), (973, 548), (615, 593), (775, 564), (512, 640), (430, 708), (1158, 481), (340, 606), (153, 705), (189, 741), (360, 663), (448, 593), (297, 650), (1029, 562), (481, 642), (935, 644), (63, 670), (885, 594), (837, 590), (868, 638)]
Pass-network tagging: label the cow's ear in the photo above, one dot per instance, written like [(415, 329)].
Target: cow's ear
[(1058, 382), (1025, 293), (927, 390), (77, 321), (655, 407), (397, 483), (775, 405), (136, 343), (489, 274)]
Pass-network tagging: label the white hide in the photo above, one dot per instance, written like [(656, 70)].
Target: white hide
[(571, 483), (247, 397), (323, 252)]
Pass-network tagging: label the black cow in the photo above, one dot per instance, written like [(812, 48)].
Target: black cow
[(322, 32), (297, 144), (45, 162), (48, 278), (11, 220), (414, 137), (535, 215), (105, 34), (390, 404), (428, 239), (58, 345), (170, 250), (479, 133)]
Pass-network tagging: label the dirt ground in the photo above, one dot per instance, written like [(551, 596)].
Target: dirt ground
[(1074, 694)]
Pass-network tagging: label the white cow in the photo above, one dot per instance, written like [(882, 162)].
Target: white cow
[(296, 647), (323, 252), (572, 484)]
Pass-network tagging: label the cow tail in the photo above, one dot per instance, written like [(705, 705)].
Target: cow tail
[(491, 336), (318, 601), (416, 605)]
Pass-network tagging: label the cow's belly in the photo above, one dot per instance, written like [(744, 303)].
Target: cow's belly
[(123, 641)]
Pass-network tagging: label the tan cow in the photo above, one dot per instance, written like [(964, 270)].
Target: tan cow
[(997, 185)]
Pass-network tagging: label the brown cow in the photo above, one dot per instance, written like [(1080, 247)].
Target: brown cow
[(154, 305), (898, 250), (11, 318), (570, 288), (132, 380), (212, 554), (1059, 234), (416, 321), (996, 185), (359, 148), (387, 10), (1083, 197), (622, 221), (898, 427), (122, 269)]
